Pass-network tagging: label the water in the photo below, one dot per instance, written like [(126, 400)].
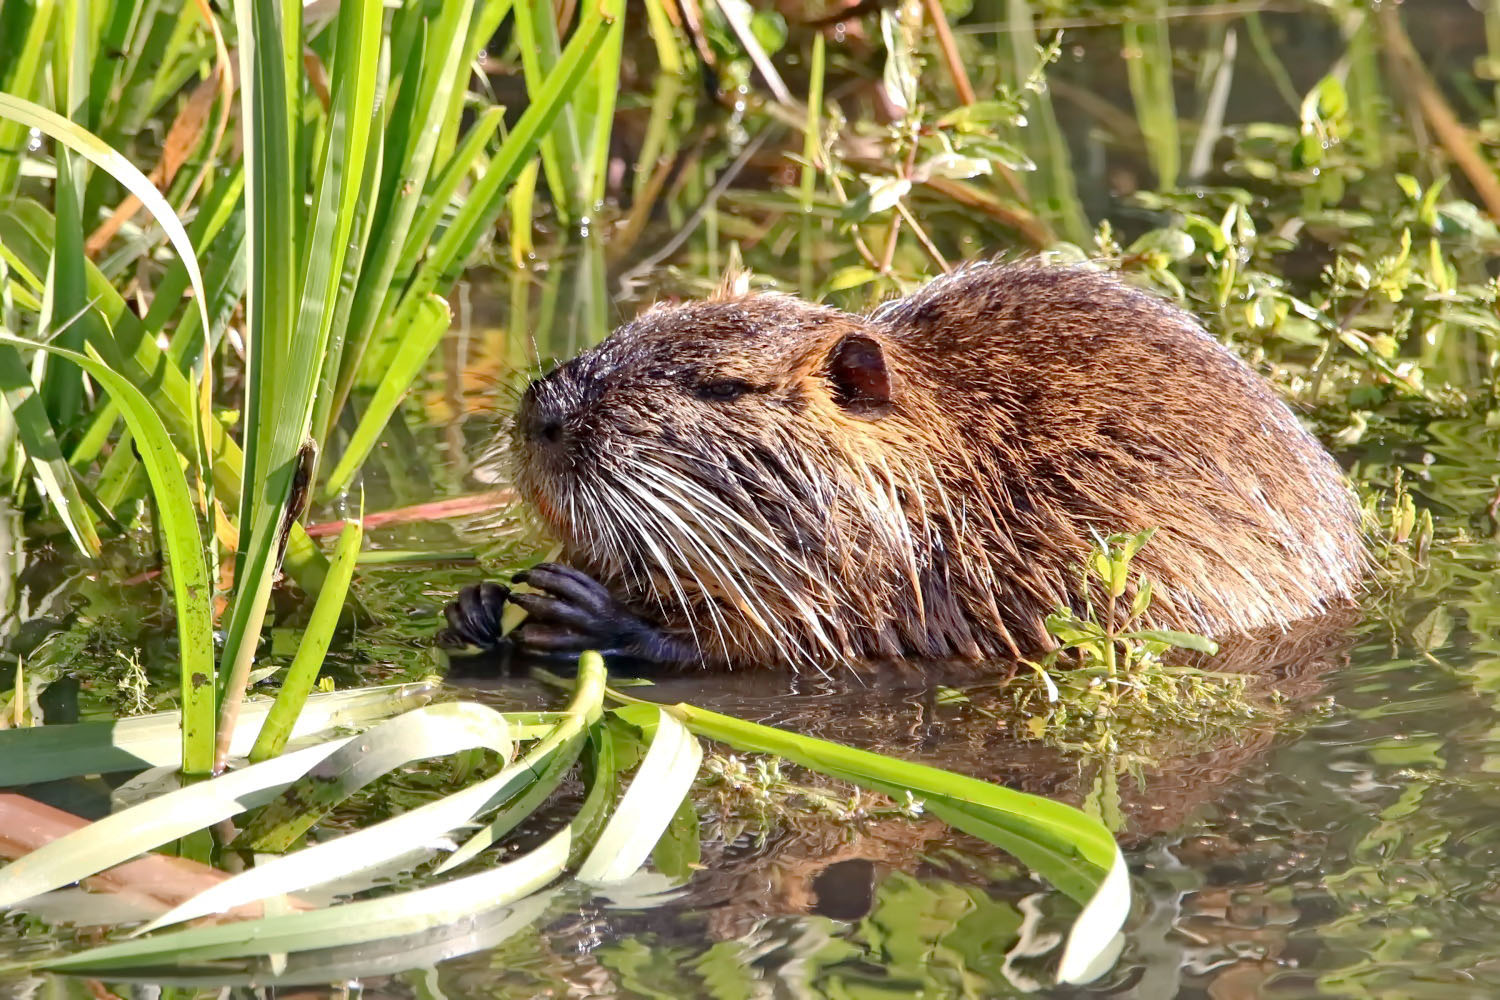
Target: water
[(1345, 845)]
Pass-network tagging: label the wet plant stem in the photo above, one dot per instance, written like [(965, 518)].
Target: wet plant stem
[(1457, 140)]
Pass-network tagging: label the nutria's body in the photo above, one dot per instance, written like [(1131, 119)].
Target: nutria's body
[(759, 481)]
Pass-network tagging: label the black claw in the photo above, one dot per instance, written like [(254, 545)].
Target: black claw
[(570, 585), (474, 617), (549, 610)]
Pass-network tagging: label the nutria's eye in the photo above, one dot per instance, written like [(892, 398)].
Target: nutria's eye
[(724, 389)]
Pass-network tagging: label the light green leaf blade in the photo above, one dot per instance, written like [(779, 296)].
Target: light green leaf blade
[(108, 159), (422, 327), (52, 753), (542, 771), (415, 828), (543, 766), (1184, 640), (427, 82), (123, 835), (431, 732), (40, 444), (1062, 844), (273, 438), (313, 648), (476, 217), (648, 806), (436, 202), (352, 923), (428, 732), (184, 550), (1094, 930)]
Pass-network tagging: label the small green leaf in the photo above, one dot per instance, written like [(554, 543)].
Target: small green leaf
[(952, 166), (1183, 640), (1142, 597), (1434, 629)]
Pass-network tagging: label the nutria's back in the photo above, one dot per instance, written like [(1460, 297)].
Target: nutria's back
[(780, 483)]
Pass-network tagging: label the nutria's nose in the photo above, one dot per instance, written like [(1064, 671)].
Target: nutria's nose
[(543, 413)]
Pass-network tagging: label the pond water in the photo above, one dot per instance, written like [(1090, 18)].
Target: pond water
[(1340, 843)]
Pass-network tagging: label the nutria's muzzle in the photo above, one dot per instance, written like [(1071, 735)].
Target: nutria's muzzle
[(543, 414)]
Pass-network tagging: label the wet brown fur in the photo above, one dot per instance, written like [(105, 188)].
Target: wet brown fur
[(1031, 408)]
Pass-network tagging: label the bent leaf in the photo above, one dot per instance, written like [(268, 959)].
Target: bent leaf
[(104, 156), (118, 837), (183, 544), (352, 923), (51, 753), (648, 806)]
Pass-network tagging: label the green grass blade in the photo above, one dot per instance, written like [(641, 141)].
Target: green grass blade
[(603, 779), (106, 158), (437, 202), (346, 144), (605, 84), (23, 81), (1149, 68), (145, 365), (421, 326), (324, 417), (120, 836), (1071, 848), (224, 278), (661, 135), (649, 805), (432, 732), (178, 526), (271, 203), (1097, 926), (373, 845), (668, 57), (352, 923), (540, 773), (70, 318), (410, 141), (52, 753), (41, 447), (536, 38), (564, 740), (398, 835), (477, 216), (812, 157), (303, 672)]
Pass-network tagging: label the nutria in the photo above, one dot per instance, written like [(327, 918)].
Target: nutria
[(755, 481)]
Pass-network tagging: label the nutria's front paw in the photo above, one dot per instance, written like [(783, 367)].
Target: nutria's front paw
[(474, 619), (574, 612)]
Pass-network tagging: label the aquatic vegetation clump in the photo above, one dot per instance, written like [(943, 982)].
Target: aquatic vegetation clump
[(1111, 687)]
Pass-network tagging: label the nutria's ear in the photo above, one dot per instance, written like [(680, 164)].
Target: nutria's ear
[(861, 383)]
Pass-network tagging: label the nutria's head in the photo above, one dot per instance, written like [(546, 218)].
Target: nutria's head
[(719, 461)]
